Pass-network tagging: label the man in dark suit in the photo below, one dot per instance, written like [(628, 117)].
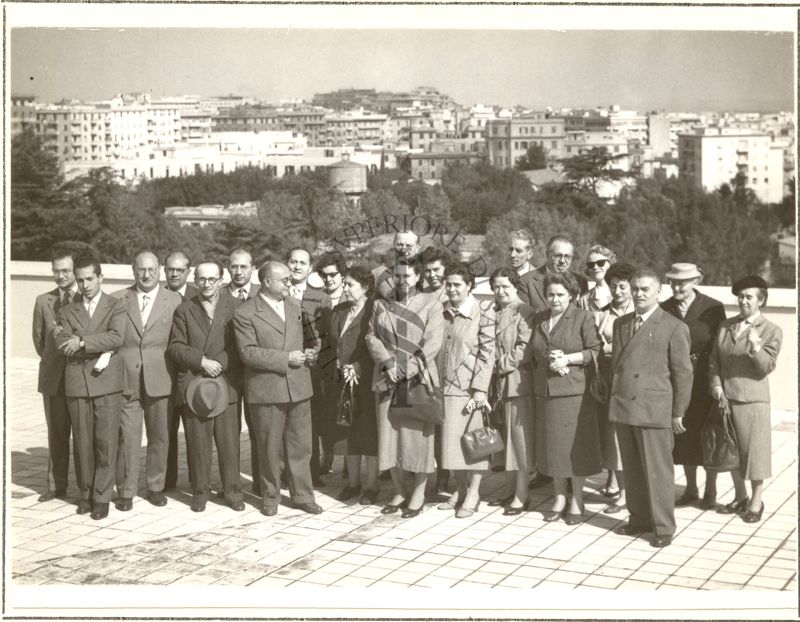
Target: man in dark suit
[(405, 244), (650, 392), (270, 338), (202, 344), (177, 266), (51, 373), (89, 331), (240, 268), (148, 381), (560, 253)]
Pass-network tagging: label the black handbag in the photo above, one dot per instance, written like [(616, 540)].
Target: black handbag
[(718, 437), (497, 417), (417, 398), (598, 384), (483, 442), (345, 409)]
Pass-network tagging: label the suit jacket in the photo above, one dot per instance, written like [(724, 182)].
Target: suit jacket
[(703, 318), (466, 359), (575, 331), (254, 287), (421, 321), (100, 333), (144, 348), (531, 289), (742, 374), (514, 349), (264, 341), (191, 291), (51, 361), (652, 371), (193, 336)]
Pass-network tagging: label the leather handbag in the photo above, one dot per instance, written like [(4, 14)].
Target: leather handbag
[(345, 409), (599, 387), (417, 398), (720, 445), (483, 442), (497, 417)]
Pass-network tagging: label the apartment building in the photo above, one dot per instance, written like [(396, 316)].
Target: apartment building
[(507, 140)]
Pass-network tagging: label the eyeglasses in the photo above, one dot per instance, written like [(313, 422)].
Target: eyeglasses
[(287, 280), (561, 257), (143, 271), (57, 272), (210, 281), (329, 275), (175, 270), (600, 263)]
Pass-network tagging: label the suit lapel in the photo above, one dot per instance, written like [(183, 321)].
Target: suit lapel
[(158, 307), (265, 313), (637, 339), (199, 314), (220, 313), (99, 312), (133, 310)]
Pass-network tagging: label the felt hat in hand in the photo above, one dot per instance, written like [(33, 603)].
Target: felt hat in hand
[(207, 397)]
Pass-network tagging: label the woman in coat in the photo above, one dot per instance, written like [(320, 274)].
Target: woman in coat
[(702, 315), (598, 260), (403, 335), (513, 377), (565, 339), (465, 365), (618, 278), (352, 373), (745, 352)]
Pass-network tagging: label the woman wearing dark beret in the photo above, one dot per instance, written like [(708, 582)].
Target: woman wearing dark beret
[(745, 352)]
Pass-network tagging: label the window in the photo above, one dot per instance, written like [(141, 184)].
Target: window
[(553, 129), (516, 144), (755, 180), (766, 180), (524, 144), (554, 144)]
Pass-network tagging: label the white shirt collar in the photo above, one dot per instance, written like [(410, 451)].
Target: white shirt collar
[(752, 319), (647, 314), (301, 286), (151, 294), (465, 308), (73, 289), (525, 268), (235, 289), (181, 291), (270, 301)]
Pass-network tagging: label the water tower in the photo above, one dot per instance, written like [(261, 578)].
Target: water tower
[(349, 178)]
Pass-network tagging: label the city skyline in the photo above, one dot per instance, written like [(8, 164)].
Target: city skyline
[(643, 70)]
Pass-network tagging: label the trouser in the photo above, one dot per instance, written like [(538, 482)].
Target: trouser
[(153, 412), (649, 476), (224, 428), (176, 414), (95, 425), (254, 462), (318, 409), (288, 426), (56, 414)]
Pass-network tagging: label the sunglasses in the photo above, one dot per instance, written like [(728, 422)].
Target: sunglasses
[(600, 263), (329, 275)]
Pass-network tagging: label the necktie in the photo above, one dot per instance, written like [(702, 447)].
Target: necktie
[(65, 299), (90, 306), (241, 294), (637, 323), (295, 292), (145, 300)]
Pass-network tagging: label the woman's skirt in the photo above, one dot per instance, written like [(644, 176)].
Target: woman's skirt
[(567, 438), (754, 434), (519, 423), (609, 443), (456, 423), (402, 442), (361, 438)]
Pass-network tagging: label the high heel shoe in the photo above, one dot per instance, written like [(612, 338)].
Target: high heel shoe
[(494, 503), (512, 511), (448, 505), (552, 516), (734, 507), (391, 509), (753, 517), (409, 513), (709, 501), (463, 512), (574, 519)]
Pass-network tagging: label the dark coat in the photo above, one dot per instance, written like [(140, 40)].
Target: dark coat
[(350, 348), (531, 289), (52, 361), (193, 336)]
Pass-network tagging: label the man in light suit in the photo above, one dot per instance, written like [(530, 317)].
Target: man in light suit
[(560, 253), (177, 266), (202, 345), (89, 331), (51, 373), (148, 381), (270, 338), (240, 268), (650, 392)]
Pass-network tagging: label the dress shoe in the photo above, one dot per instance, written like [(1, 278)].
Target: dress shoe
[(539, 481), (157, 498), (309, 508), (734, 507), (237, 506), (630, 530), (49, 495), (123, 504), (687, 498), (610, 493), (198, 504), (369, 497), (84, 507), (512, 511), (753, 517), (573, 519), (463, 512), (348, 492), (552, 516), (390, 508), (99, 511), (269, 510), (660, 542), (494, 503), (409, 513), (709, 501), (614, 508)]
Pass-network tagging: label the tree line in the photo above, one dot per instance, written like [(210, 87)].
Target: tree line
[(726, 232)]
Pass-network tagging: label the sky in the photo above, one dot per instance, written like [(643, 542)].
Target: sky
[(642, 70)]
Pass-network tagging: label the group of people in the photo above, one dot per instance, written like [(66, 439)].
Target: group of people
[(576, 379)]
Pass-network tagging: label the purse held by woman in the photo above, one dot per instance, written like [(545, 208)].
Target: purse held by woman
[(345, 409), (483, 442), (720, 446), (418, 398)]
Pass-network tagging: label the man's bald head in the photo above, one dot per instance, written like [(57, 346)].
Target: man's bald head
[(275, 279), (406, 243)]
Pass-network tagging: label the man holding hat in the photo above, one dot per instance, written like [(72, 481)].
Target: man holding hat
[(203, 347)]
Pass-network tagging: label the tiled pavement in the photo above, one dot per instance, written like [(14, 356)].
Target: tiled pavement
[(355, 546)]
